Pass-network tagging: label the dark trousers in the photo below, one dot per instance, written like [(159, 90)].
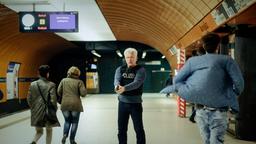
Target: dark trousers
[(124, 112)]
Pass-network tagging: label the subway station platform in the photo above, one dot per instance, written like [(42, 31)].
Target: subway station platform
[(98, 124)]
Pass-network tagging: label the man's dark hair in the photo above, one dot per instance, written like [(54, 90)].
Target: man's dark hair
[(194, 52), (210, 42), (201, 51), (43, 70)]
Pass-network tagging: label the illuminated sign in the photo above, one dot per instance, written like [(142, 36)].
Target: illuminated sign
[(48, 21)]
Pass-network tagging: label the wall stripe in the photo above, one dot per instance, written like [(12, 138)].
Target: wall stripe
[(3, 79)]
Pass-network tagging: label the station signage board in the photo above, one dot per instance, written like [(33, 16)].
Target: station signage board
[(48, 21)]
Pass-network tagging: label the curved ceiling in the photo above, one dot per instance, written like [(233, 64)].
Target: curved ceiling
[(158, 23)]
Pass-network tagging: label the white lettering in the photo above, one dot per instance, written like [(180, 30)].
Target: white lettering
[(63, 17), (62, 21), (129, 75)]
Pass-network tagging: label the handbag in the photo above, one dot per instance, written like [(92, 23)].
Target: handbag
[(50, 110)]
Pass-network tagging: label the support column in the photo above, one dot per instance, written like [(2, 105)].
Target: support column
[(245, 55), (181, 57)]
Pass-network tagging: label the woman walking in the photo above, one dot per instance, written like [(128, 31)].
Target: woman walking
[(70, 89)]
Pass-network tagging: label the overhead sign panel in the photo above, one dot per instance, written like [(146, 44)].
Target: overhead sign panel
[(48, 21)]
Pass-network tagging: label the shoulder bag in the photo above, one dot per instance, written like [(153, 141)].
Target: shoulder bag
[(50, 110)]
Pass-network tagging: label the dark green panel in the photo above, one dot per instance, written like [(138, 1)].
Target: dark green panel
[(107, 65), (109, 61), (158, 80), (154, 81)]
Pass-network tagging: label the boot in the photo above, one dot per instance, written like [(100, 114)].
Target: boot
[(63, 141), (72, 142)]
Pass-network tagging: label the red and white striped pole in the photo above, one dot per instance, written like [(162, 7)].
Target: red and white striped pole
[(181, 58)]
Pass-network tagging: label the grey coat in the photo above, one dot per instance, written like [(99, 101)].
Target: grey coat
[(36, 103), (71, 89)]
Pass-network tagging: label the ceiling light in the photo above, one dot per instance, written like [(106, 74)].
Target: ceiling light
[(163, 57), (95, 53), (144, 54), (119, 53)]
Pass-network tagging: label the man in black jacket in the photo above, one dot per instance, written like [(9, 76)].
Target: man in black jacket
[(128, 84)]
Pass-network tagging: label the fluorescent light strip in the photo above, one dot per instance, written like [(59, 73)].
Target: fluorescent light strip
[(119, 53), (144, 54), (95, 53)]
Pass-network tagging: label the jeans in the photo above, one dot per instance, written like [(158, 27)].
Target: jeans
[(71, 121), (212, 125), (124, 111)]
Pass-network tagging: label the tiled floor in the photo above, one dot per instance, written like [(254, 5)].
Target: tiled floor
[(98, 124)]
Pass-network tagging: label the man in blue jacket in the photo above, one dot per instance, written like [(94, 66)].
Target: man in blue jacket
[(213, 82), (128, 84)]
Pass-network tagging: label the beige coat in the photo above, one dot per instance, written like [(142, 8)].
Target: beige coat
[(71, 89), (36, 103)]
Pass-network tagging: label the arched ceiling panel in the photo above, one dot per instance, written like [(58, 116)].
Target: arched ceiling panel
[(159, 23)]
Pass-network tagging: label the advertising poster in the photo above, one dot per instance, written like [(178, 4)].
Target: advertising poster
[(220, 15), (12, 80), (91, 80), (229, 8)]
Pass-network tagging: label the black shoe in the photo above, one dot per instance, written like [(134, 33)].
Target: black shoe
[(63, 140), (72, 142), (33, 142), (192, 120)]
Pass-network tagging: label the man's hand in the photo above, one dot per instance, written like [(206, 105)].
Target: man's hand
[(116, 88), (119, 89)]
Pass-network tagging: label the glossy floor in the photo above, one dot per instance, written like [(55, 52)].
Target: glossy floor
[(98, 124)]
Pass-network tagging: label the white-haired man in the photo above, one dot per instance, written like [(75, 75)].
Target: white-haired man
[(128, 84)]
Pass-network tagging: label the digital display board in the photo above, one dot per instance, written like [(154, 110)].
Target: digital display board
[(48, 21)]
